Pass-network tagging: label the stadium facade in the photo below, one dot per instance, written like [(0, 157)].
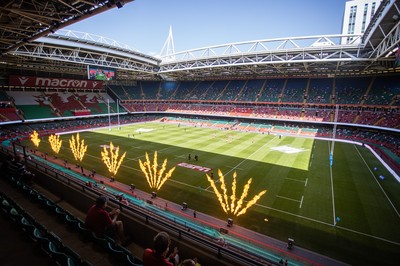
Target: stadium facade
[(357, 16)]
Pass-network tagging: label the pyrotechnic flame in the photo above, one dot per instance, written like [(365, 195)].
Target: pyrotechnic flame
[(252, 202), (55, 143), (217, 193), (223, 187), (234, 207), (244, 195), (35, 138), (233, 196), (111, 158), (155, 178), (78, 147)]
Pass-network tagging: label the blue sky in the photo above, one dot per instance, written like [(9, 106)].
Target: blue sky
[(144, 24)]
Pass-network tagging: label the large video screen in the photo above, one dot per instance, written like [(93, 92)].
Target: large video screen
[(101, 73)]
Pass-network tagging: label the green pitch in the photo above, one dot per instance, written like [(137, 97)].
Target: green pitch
[(304, 194)]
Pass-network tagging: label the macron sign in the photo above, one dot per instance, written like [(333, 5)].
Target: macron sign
[(27, 81)]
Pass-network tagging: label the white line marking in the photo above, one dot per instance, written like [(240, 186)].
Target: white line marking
[(364, 234), (247, 158), (333, 195), (131, 159), (287, 198), (305, 184), (387, 197), (289, 213), (292, 179), (301, 202), (328, 224), (295, 215), (236, 167)]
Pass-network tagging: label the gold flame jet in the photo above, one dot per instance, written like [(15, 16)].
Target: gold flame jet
[(112, 159), (55, 143), (234, 207), (35, 138), (155, 178), (78, 147)]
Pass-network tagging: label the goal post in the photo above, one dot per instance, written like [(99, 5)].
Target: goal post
[(333, 135)]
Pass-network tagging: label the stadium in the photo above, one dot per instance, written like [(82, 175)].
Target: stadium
[(280, 151)]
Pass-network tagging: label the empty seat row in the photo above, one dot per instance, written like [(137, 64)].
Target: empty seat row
[(48, 242)]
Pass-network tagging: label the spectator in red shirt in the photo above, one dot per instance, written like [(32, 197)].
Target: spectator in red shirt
[(101, 222), (157, 255)]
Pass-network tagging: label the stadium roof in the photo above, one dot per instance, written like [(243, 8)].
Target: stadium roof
[(22, 21), (29, 41)]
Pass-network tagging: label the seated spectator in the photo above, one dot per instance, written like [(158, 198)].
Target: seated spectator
[(157, 255), (221, 241), (16, 168), (101, 222), (122, 199)]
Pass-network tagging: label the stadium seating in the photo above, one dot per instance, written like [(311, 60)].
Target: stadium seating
[(49, 242), (201, 90), (36, 105), (120, 92), (384, 91), (319, 91), (351, 90), (272, 90), (232, 90), (251, 90), (294, 91), (37, 232), (151, 90), (185, 90)]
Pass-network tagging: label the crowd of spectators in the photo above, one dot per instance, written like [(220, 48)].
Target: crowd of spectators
[(361, 92), (270, 93), (294, 95), (365, 116), (21, 131), (350, 91)]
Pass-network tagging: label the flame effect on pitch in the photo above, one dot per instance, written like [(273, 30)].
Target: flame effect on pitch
[(233, 204), (111, 158), (155, 178), (35, 138), (78, 147), (55, 143)]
